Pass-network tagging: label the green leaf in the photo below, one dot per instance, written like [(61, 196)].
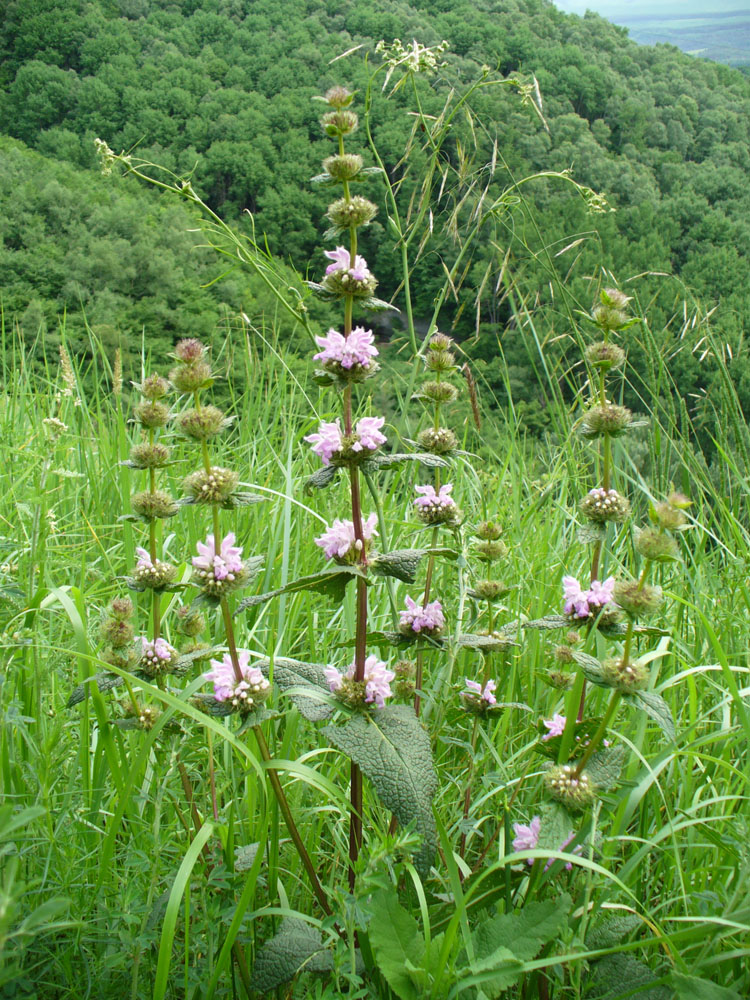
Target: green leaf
[(591, 668), (504, 942), (693, 988), (549, 622), (654, 705), (103, 681), (393, 749), (186, 660), (395, 939), (295, 948), (330, 581), (605, 766), (617, 976), (291, 674), (404, 563), (254, 718), (241, 499), (208, 704), (324, 476), (484, 642), (610, 931), (394, 460), (372, 304), (557, 825)]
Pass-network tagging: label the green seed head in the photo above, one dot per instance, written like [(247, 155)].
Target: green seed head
[(150, 413), (573, 791), (201, 423), (192, 376), (656, 546), (348, 212), (214, 486), (155, 387), (438, 442), (625, 677), (637, 601), (344, 167), (149, 456), (152, 506), (341, 122)]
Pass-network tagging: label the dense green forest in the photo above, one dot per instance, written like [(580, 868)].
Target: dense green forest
[(221, 91)]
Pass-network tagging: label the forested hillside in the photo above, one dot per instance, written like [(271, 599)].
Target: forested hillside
[(221, 91)]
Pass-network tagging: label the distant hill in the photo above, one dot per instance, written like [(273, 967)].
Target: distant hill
[(694, 26), (221, 90)]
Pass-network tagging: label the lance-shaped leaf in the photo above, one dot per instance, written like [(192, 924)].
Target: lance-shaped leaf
[(396, 942), (425, 458), (104, 681), (591, 668), (296, 948), (331, 581), (186, 660), (617, 629), (549, 622), (323, 477), (393, 750), (293, 675), (208, 704), (486, 643), (404, 563), (654, 705)]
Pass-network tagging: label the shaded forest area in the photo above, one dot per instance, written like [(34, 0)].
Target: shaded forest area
[(221, 91)]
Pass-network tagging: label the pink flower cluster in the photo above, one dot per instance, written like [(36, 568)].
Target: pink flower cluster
[(228, 688), (156, 649), (418, 618), (144, 559), (430, 499), (221, 565), (341, 261), (377, 680), (339, 540), (356, 349), (527, 838), (487, 694), (329, 438), (555, 725), (585, 603)]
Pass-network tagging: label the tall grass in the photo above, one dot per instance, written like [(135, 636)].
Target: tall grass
[(107, 890)]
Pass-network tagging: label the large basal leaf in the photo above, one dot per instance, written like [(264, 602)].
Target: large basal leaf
[(288, 674), (395, 940), (503, 943), (611, 930), (654, 705), (693, 988), (331, 581), (616, 976), (295, 948), (393, 749)]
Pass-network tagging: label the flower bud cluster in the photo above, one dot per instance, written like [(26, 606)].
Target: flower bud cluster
[(437, 441), (157, 657), (574, 791), (636, 598), (610, 314), (404, 685), (152, 573), (154, 505), (437, 506), (202, 422), (213, 486), (346, 213), (117, 628), (625, 676), (600, 505), (192, 372), (149, 456), (606, 418)]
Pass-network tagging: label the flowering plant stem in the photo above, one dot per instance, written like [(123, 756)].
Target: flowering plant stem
[(278, 790)]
